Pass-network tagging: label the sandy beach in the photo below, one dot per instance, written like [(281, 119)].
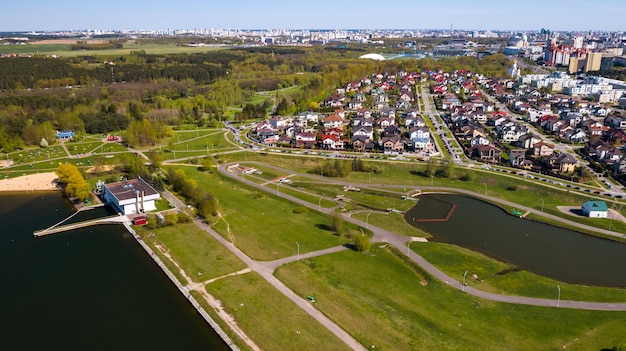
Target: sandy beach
[(31, 182)]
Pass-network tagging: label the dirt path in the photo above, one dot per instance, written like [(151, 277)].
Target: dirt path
[(212, 301)]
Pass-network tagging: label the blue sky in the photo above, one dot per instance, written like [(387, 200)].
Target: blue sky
[(26, 15)]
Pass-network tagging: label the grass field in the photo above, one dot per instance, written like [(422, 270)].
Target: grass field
[(64, 49), (273, 321), (195, 251), (261, 225), (379, 299)]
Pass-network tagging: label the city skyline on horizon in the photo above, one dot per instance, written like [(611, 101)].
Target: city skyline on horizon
[(575, 15)]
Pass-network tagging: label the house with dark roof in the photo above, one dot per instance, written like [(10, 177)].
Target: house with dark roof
[(487, 153), (130, 196)]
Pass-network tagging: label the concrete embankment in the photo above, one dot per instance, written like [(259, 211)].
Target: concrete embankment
[(183, 289)]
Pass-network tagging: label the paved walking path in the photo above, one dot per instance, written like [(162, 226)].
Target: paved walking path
[(266, 273), (399, 241)]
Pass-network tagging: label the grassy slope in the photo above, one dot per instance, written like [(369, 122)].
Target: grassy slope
[(380, 300)]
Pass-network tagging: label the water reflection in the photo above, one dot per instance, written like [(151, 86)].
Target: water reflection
[(553, 252)]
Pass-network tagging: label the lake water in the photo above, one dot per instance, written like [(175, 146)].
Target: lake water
[(88, 289), (546, 250)]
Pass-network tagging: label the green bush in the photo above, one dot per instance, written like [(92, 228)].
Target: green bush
[(362, 243), (466, 177), (300, 209), (183, 217)]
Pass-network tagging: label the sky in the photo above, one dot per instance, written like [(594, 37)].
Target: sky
[(556, 15)]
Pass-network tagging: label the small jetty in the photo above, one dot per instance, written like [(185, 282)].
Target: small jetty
[(58, 228)]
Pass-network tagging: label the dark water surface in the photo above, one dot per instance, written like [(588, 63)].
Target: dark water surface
[(88, 289), (553, 252)]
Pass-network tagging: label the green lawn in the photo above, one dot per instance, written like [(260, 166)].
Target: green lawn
[(195, 251), (261, 225), (379, 299), (82, 148), (391, 221), (269, 318), (64, 49)]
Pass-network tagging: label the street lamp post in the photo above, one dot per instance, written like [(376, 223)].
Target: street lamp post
[(464, 284), (366, 220), (541, 205), (558, 299), (298, 245), (319, 205), (485, 184), (408, 248)]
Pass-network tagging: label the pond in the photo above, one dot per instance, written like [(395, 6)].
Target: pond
[(550, 251)]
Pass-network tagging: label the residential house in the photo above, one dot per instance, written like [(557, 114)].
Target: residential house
[(364, 113), (391, 131), (517, 157), (543, 149), (385, 122), (392, 144), (511, 132), (279, 122), (355, 104), (362, 144), (527, 140), (264, 129), (486, 153), (366, 131), (595, 128), (332, 121), (562, 162), (334, 101), (332, 142), (362, 122), (618, 122), (479, 140), (306, 140)]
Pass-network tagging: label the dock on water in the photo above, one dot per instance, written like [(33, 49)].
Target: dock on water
[(58, 228)]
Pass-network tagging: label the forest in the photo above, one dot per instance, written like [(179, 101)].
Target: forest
[(145, 94)]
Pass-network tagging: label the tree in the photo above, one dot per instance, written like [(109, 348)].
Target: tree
[(156, 159), (431, 167), (75, 184), (362, 243), (43, 142), (336, 223)]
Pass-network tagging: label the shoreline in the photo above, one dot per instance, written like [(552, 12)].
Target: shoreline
[(31, 182), (227, 340)]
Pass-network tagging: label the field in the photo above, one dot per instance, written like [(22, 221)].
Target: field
[(62, 48), (261, 225), (380, 300)]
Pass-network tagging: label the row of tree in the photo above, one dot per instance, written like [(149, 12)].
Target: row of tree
[(204, 202)]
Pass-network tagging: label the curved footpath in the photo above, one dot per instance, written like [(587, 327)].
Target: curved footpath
[(266, 273), (399, 241)]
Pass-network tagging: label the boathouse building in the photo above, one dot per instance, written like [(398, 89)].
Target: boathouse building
[(131, 196)]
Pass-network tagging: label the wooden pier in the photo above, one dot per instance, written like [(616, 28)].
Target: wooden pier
[(57, 228)]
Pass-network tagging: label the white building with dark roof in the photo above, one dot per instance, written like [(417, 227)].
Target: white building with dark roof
[(131, 196)]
